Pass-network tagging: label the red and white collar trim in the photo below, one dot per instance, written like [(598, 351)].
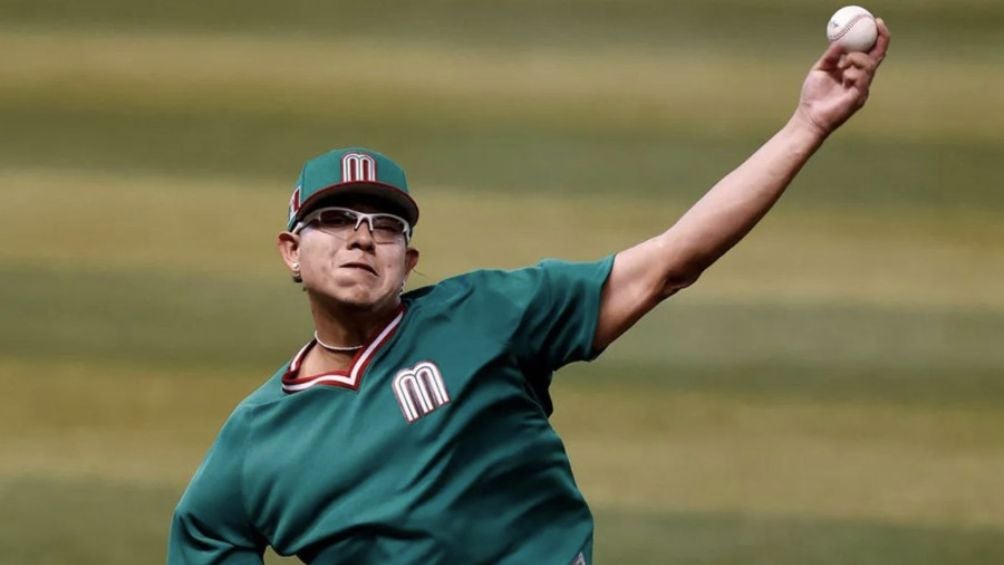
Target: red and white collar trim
[(347, 379)]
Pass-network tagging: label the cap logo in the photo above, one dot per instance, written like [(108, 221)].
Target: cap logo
[(294, 203), (358, 167)]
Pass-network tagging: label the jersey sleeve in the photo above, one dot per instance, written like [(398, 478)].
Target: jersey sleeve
[(210, 524), (561, 310)]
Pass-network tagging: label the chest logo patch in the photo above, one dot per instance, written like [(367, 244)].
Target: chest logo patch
[(420, 390)]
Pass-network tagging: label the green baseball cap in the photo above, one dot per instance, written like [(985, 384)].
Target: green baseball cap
[(353, 171)]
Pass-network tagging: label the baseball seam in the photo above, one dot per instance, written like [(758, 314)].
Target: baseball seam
[(848, 27)]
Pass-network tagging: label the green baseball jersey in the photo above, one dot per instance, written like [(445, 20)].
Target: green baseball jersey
[(434, 447)]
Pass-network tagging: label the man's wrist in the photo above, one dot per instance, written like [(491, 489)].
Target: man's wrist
[(805, 130)]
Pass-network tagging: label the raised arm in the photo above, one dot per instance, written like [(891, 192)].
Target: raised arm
[(644, 275)]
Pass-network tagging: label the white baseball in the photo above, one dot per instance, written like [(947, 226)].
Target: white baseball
[(853, 28)]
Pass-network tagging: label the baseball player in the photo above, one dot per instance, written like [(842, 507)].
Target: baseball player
[(413, 427)]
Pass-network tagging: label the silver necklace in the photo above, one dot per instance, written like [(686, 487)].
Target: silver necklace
[(336, 348)]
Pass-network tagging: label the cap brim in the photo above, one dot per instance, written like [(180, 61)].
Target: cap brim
[(402, 202)]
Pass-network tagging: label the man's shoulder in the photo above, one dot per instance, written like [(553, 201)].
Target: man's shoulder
[(465, 285), (475, 293), (493, 283), (268, 392)]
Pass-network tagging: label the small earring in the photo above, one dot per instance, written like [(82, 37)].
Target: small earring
[(296, 266)]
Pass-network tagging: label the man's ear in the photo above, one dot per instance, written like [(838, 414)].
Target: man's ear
[(410, 260), (289, 249)]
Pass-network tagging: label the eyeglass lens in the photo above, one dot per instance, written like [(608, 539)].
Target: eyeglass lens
[(384, 228)]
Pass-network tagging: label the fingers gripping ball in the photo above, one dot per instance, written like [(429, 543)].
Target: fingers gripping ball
[(853, 28)]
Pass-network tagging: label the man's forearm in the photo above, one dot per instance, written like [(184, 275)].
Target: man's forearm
[(736, 203)]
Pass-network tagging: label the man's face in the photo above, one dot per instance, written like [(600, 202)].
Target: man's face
[(350, 267)]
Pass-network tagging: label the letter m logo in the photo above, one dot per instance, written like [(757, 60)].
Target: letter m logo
[(420, 390), (358, 167)]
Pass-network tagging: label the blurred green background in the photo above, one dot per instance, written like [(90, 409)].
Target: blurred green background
[(830, 392)]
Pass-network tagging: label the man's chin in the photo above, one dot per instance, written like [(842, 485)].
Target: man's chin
[(358, 304), (351, 298)]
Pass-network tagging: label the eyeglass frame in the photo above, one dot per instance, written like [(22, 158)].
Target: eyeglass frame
[(360, 218)]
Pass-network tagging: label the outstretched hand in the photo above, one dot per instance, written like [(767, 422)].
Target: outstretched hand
[(837, 86)]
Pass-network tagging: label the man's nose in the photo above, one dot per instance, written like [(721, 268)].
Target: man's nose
[(361, 235)]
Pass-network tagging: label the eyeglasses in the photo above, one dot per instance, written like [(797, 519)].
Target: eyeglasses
[(384, 228)]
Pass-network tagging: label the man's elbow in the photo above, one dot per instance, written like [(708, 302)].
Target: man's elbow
[(678, 279)]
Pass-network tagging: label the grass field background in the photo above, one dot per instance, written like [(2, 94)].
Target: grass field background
[(830, 392)]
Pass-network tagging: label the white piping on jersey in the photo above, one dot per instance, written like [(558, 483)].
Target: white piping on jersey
[(353, 377)]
